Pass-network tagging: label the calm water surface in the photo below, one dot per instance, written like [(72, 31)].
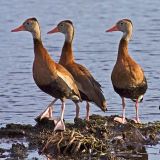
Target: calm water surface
[(21, 100)]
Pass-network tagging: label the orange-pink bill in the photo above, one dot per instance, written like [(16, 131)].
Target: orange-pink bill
[(20, 28), (114, 28), (53, 30)]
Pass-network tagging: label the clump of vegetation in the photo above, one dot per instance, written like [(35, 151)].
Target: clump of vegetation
[(101, 138)]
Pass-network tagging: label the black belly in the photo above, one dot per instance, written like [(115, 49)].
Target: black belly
[(83, 96), (58, 89), (132, 92)]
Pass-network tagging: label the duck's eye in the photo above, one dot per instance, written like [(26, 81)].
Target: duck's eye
[(61, 25), (28, 23), (121, 23)]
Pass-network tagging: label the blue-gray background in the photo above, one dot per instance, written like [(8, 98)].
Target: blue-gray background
[(21, 100)]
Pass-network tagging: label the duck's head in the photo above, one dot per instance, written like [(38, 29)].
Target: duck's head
[(125, 26), (66, 27), (30, 25)]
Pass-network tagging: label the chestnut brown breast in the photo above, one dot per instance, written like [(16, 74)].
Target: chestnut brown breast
[(51, 77), (89, 88), (44, 68), (127, 76)]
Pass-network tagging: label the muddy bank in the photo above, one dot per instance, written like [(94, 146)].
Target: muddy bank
[(101, 138)]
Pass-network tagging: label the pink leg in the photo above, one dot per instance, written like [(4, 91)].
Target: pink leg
[(77, 110), (47, 113), (123, 113), (119, 119), (87, 110), (137, 120), (60, 124)]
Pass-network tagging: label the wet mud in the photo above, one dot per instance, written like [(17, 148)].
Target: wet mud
[(101, 138)]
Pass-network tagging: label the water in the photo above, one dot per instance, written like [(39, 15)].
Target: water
[(21, 100)]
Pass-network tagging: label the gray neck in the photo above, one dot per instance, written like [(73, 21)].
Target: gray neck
[(36, 33), (69, 35), (127, 35)]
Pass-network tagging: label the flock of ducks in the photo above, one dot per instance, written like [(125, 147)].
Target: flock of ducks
[(70, 80)]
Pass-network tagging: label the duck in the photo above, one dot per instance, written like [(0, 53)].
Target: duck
[(90, 90), (51, 77), (127, 76)]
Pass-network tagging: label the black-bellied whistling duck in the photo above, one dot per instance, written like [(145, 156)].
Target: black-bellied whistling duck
[(90, 90), (127, 77), (50, 77)]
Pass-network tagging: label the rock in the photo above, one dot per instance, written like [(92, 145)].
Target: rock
[(18, 151)]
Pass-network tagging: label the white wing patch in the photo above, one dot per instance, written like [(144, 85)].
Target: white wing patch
[(66, 79)]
